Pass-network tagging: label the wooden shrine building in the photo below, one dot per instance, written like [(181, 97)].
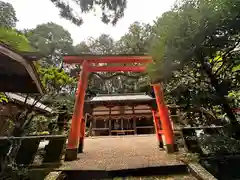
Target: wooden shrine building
[(117, 114)]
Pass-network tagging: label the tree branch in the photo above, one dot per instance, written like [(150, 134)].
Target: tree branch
[(225, 55)]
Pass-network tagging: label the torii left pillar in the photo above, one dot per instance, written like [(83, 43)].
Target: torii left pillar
[(76, 135)]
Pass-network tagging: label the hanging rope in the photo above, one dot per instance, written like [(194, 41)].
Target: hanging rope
[(119, 74)]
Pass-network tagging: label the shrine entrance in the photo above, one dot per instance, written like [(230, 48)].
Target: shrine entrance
[(122, 127), (98, 63), (120, 114)]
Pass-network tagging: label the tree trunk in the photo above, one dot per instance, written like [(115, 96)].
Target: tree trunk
[(235, 126), (22, 121), (222, 99)]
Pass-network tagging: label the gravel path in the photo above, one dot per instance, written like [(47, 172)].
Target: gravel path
[(120, 152)]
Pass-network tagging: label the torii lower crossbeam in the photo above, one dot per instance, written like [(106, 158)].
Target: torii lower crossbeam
[(117, 69)]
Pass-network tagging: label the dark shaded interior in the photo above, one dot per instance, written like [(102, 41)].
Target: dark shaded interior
[(14, 77)]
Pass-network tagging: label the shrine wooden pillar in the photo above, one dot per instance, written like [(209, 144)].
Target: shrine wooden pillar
[(77, 130), (135, 125), (157, 126), (165, 119), (110, 121), (134, 121), (110, 126), (90, 127)]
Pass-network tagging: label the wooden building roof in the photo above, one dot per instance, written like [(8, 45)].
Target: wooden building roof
[(20, 99), (121, 99), (17, 72)]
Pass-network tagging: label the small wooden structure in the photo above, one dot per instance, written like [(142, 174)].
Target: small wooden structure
[(17, 73), (16, 104), (21, 100), (117, 114)]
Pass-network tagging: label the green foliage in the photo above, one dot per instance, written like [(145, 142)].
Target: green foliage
[(59, 87), (15, 40), (104, 44), (62, 99), (189, 26), (137, 40), (236, 68), (54, 80), (7, 15), (82, 48), (195, 51), (219, 144), (52, 41), (39, 125), (3, 98), (111, 10), (235, 97)]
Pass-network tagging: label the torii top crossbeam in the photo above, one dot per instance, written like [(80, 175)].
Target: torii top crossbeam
[(110, 59), (120, 58)]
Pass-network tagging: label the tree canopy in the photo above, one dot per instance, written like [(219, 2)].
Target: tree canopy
[(15, 39), (197, 45), (52, 41), (137, 40), (111, 10), (8, 17)]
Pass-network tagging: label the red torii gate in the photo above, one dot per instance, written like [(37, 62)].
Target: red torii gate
[(92, 63)]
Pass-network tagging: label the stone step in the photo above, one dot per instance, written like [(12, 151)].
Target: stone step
[(162, 171)]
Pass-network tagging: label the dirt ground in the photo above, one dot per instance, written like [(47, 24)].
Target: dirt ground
[(121, 152)]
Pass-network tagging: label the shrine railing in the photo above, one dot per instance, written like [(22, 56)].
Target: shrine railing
[(33, 151)]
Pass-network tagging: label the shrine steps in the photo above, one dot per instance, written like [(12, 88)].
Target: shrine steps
[(160, 171)]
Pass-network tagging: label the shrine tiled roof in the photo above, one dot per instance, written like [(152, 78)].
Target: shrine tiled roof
[(121, 97), (30, 101)]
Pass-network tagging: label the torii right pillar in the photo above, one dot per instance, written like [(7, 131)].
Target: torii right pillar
[(165, 119)]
